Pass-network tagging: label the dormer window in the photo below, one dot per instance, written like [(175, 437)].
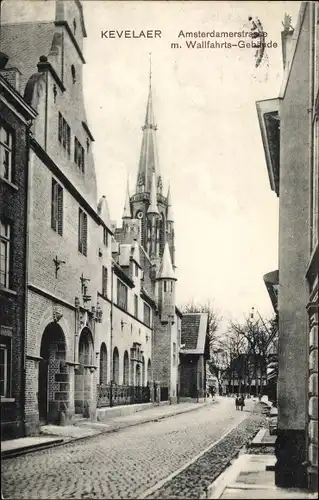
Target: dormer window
[(73, 72)]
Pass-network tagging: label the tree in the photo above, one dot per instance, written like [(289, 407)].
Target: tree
[(260, 338), (214, 318)]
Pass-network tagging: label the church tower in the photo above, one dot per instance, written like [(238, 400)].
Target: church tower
[(148, 204)]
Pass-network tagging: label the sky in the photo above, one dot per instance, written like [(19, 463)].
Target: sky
[(209, 142)]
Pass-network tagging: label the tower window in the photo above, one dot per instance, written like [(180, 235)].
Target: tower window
[(78, 154), (74, 26), (64, 134), (165, 286), (73, 72)]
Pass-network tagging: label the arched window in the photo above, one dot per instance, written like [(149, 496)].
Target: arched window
[(126, 369), (149, 371), (116, 365), (103, 364), (143, 371)]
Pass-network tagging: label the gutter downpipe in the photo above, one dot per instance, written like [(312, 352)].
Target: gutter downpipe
[(312, 41)]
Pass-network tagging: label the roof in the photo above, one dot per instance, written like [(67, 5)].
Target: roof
[(194, 331), (272, 284), (166, 270)]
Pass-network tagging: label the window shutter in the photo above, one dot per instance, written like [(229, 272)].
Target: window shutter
[(54, 205), (80, 231), (60, 211), (85, 233)]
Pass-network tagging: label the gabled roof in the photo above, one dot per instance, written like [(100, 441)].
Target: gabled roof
[(194, 331)]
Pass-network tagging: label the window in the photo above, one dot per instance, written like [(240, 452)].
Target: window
[(83, 232), (5, 234), (136, 270), (73, 73), (6, 153), (57, 207), (136, 306), (121, 295), (165, 286), (78, 154), (171, 286), (105, 237), (147, 315), (104, 281), (315, 185), (5, 366), (174, 354), (64, 134)]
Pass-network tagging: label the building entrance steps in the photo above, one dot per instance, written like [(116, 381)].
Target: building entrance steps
[(54, 435)]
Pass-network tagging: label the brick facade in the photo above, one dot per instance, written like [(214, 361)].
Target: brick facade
[(15, 116)]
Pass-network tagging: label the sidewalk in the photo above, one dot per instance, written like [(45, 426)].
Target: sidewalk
[(252, 476), (54, 435)]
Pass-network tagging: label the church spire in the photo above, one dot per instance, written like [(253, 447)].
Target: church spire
[(127, 207), (148, 157)]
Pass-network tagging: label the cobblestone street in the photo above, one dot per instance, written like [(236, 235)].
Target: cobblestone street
[(125, 464)]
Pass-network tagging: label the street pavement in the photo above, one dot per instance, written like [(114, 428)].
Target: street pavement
[(125, 464)]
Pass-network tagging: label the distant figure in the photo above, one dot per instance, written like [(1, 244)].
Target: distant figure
[(237, 402)]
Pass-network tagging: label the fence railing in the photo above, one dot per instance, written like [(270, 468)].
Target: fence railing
[(117, 395)]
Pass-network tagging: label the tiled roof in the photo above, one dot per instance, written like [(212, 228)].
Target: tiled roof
[(190, 330)]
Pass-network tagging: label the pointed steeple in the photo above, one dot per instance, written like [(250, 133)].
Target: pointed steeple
[(152, 209), (170, 213), (127, 207), (148, 158), (166, 270)]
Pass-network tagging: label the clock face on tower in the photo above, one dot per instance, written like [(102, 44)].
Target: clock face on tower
[(139, 215)]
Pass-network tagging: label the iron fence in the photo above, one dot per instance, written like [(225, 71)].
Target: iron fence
[(117, 395)]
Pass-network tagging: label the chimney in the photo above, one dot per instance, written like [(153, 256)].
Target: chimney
[(12, 75)]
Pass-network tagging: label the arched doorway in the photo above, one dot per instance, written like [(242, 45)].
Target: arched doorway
[(83, 379), (126, 369), (143, 371), (116, 366), (53, 383), (149, 371), (103, 364)]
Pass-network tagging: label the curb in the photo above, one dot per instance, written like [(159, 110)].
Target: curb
[(66, 441)]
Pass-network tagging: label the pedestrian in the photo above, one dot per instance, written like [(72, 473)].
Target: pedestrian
[(242, 403), (237, 402)]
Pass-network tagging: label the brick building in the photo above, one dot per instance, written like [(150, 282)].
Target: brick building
[(290, 132), (16, 117), (100, 308)]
